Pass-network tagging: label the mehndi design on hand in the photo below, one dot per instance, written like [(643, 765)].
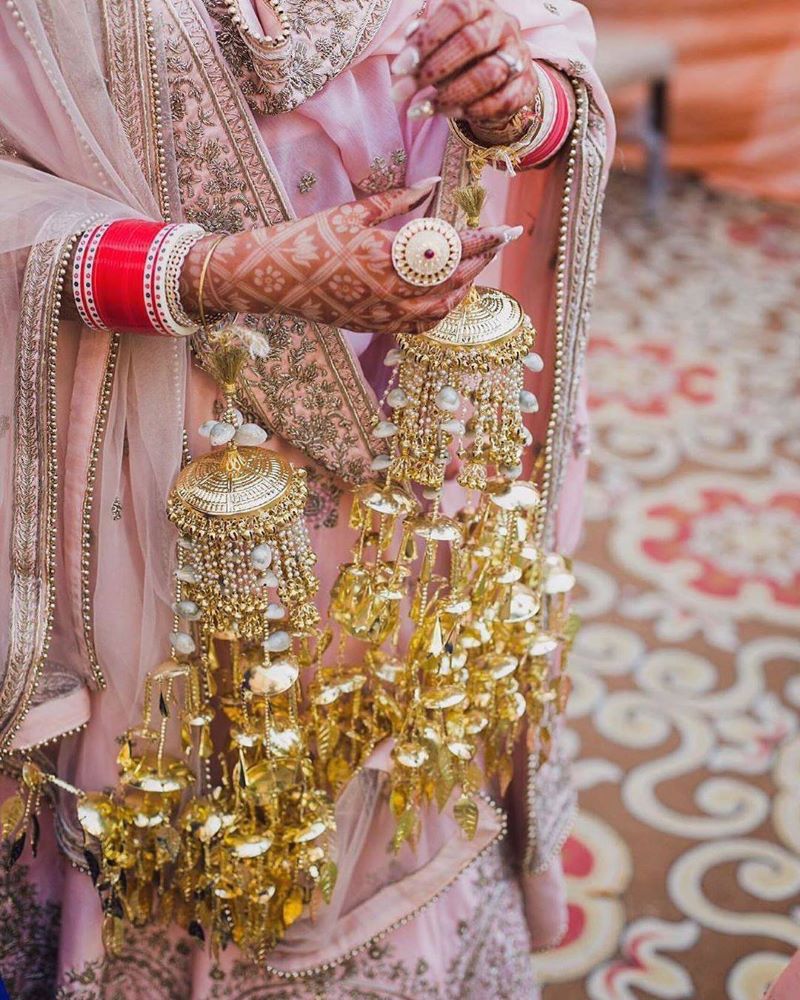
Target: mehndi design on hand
[(335, 267)]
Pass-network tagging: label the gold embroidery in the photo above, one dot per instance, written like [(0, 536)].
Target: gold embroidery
[(33, 538), (325, 38), (320, 405), (116, 509)]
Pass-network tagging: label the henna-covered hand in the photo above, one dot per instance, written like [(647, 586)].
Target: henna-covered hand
[(467, 49), (334, 267)]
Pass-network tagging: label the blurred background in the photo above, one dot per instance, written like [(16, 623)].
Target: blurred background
[(684, 865)]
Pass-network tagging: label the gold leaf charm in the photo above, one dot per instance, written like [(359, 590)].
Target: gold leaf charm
[(12, 812), (327, 880), (466, 814), (292, 907)]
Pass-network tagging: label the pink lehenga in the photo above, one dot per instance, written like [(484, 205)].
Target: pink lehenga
[(173, 109)]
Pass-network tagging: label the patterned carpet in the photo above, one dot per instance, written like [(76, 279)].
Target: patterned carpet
[(684, 867)]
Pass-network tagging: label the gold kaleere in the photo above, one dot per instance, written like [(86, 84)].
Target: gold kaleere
[(447, 633)]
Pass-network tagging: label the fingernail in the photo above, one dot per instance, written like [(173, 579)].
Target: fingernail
[(513, 233), (406, 62), (424, 109), (403, 89), (412, 27)]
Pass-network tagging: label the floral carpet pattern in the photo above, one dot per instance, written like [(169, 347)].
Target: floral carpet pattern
[(684, 866)]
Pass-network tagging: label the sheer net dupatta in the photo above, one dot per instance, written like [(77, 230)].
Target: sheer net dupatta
[(376, 890), (65, 160)]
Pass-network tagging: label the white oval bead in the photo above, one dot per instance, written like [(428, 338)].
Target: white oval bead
[(397, 398), (527, 437), (187, 609), (533, 362), (238, 417), (430, 493), (511, 471), (187, 574), (393, 357), (185, 543), (182, 642), (385, 429), (269, 579), (205, 428), (250, 434), (448, 399), (380, 463), (278, 642), (457, 427), (275, 612), (261, 556), (528, 403), (221, 433)]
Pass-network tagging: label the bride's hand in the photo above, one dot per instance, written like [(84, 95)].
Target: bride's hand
[(473, 53), (334, 267)]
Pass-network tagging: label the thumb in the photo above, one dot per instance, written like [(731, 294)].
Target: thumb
[(382, 207)]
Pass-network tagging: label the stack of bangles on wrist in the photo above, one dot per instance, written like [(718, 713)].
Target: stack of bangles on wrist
[(126, 277), (540, 131)]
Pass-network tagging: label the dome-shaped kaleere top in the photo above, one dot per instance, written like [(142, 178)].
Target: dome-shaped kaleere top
[(247, 483), (488, 329)]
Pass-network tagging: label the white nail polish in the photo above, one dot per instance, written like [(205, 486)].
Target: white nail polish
[(412, 27), (403, 89), (513, 234), (424, 109), (407, 62)]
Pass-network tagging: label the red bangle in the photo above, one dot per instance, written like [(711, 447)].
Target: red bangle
[(118, 268), (126, 276)]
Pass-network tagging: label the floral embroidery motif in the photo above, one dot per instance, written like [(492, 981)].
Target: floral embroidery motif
[(116, 509), (385, 173), (306, 182)]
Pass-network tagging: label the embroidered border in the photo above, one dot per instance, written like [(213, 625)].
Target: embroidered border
[(326, 37), (33, 538), (242, 168)]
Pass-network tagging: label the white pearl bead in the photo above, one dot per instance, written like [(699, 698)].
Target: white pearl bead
[(528, 403), (182, 642), (385, 429), (527, 437), (275, 612), (261, 556), (380, 463), (457, 427), (187, 574), (187, 609), (205, 429), (511, 471), (221, 433), (250, 434), (430, 493), (448, 399), (185, 543), (397, 399), (393, 357), (269, 579), (278, 641), (533, 362)]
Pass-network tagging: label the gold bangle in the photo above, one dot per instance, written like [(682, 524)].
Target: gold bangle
[(202, 282)]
